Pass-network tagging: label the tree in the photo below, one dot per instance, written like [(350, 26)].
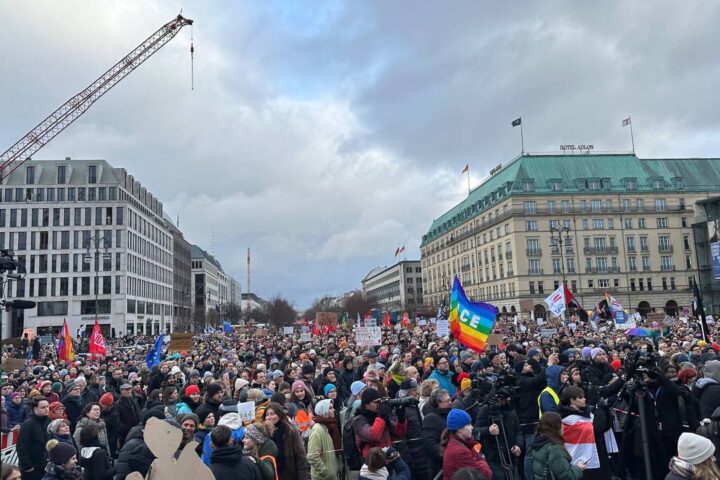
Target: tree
[(259, 315), (357, 304), (281, 312), (231, 312)]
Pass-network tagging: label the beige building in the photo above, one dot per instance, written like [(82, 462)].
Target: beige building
[(625, 224)]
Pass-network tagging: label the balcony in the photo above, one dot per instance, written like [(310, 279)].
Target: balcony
[(631, 250), (465, 268), (667, 268), (508, 255), (600, 250), (646, 268), (665, 248), (533, 252), (644, 248), (613, 269), (535, 271)]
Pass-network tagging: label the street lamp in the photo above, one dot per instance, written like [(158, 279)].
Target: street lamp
[(557, 242), (96, 254)]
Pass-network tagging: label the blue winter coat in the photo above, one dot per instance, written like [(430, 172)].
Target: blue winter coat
[(16, 414), (445, 381)]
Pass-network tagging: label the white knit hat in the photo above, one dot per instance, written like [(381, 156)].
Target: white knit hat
[(694, 449)]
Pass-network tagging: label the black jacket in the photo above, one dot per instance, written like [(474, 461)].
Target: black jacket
[(211, 406), (229, 463), (134, 456), (73, 410), (509, 430), (526, 399), (129, 416), (411, 449), (96, 463), (708, 395), (113, 427), (434, 423), (31, 443)]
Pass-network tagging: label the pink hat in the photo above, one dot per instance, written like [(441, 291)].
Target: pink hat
[(297, 384)]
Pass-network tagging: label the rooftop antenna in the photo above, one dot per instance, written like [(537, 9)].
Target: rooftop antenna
[(212, 240), (249, 290)]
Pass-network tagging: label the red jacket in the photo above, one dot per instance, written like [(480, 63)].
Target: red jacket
[(377, 433), (459, 454)]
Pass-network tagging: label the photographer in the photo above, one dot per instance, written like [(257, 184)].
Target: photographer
[(373, 426), (436, 412), (412, 448), (469, 395), (498, 429), (530, 382)]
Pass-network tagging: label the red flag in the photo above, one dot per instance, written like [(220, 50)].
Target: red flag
[(397, 251), (316, 331), (570, 299), (467, 167), (405, 319), (97, 342), (386, 321)]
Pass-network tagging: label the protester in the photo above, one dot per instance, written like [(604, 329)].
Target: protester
[(258, 445), (549, 454), (458, 446), (291, 460), (694, 460), (91, 415), (32, 440), (228, 462), (94, 458)]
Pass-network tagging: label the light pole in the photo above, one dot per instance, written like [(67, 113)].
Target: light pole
[(96, 254), (557, 243)]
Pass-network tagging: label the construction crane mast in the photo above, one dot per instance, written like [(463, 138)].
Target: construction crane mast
[(71, 110)]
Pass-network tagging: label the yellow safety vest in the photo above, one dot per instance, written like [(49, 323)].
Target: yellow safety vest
[(552, 394)]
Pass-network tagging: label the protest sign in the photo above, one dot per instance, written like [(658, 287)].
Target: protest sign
[(494, 339), (326, 319), (548, 332), (305, 337), (368, 336), (180, 342), (288, 330), (246, 411), (442, 328)]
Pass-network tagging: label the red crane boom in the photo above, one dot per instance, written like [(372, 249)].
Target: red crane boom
[(68, 112)]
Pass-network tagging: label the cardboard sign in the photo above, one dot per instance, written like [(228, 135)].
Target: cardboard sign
[(180, 342), (261, 332), (326, 318), (494, 339), (548, 332), (656, 316), (288, 330), (246, 411), (368, 336), (10, 364), (163, 440), (442, 328), (422, 322)]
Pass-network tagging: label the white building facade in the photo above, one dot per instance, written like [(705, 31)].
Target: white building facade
[(94, 245), (398, 287)]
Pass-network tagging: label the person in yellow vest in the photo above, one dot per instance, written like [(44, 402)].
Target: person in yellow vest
[(549, 399)]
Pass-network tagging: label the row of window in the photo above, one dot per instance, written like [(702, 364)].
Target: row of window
[(597, 206), (61, 217), (65, 286), (141, 307), (61, 174), (60, 240)]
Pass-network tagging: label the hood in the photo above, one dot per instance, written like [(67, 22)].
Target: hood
[(553, 376), (381, 474), (231, 420), (712, 370), (135, 432), (704, 382), (87, 452), (565, 411), (229, 456), (540, 441)]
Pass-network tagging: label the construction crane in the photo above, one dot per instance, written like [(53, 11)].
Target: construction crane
[(71, 110)]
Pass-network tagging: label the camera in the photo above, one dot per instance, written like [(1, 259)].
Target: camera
[(400, 402)]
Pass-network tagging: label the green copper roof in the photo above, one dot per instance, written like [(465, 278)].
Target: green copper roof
[(572, 174)]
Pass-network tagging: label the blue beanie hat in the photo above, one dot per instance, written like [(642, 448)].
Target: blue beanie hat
[(457, 419), (328, 388), (533, 351), (356, 386)]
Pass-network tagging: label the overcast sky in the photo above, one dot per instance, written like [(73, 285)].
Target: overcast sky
[(324, 134)]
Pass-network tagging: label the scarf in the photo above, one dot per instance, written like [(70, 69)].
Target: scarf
[(332, 428), (682, 468), (381, 474)]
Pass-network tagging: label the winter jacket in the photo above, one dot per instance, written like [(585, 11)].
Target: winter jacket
[(31, 443), (554, 458), (16, 414), (134, 456), (96, 463), (232, 421), (267, 466), (113, 428), (510, 433), (707, 391), (546, 400), (57, 472), (434, 423), (411, 449), (445, 381), (321, 455), (398, 470), (73, 409), (102, 435), (187, 405), (461, 454), (372, 431), (292, 463), (529, 388), (129, 415), (229, 463), (210, 405)]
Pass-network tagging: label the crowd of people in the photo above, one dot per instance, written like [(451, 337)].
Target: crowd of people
[(584, 402)]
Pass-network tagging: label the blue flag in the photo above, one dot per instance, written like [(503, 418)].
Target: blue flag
[(227, 328), (153, 356)]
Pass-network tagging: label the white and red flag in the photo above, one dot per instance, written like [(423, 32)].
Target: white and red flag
[(556, 301), (580, 440), (97, 342)]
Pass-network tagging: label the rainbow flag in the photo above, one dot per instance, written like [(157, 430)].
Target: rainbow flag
[(65, 347), (470, 322)]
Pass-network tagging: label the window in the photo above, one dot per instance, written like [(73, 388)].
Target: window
[(660, 204), (81, 194), (630, 241), (686, 242), (529, 207), (527, 186), (657, 185), (598, 224), (590, 283), (92, 174), (640, 204), (30, 175), (87, 307), (646, 263), (684, 222), (688, 262), (672, 283), (666, 263), (664, 283), (555, 186), (566, 206), (551, 206), (649, 284), (630, 184), (601, 263), (71, 194), (531, 226), (603, 283), (662, 222), (533, 246), (632, 264), (664, 243), (641, 223), (85, 286), (641, 284), (626, 204), (628, 223), (596, 205), (632, 284), (541, 288), (593, 185), (585, 224), (47, 309), (535, 267), (570, 265), (61, 174), (611, 224), (532, 288), (557, 266)]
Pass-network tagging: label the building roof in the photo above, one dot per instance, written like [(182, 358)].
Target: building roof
[(199, 253), (538, 174), (76, 174), (378, 270)]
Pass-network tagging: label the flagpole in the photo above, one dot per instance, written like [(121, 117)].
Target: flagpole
[(632, 137), (522, 140), (468, 179)]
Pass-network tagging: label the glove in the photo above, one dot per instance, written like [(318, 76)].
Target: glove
[(384, 412), (400, 413)]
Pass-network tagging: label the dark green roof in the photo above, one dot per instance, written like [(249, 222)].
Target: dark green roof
[(536, 174)]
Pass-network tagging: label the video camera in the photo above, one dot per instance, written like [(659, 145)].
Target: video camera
[(400, 402), (7, 264)]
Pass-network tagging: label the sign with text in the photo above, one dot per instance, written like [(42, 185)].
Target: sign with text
[(494, 339), (180, 342), (548, 332), (326, 318), (442, 328), (368, 336), (288, 330), (305, 337), (656, 316)]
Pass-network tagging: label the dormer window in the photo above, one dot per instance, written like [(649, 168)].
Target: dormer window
[(30, 175), (555, 185), (606, 184), (92, 174), (630, 184), (527, 186), (61, 171), (593, 185), (678, 182), (657, 184)]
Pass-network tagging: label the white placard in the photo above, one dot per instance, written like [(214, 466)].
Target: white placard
[(442, 328), (288, 330), (246, 411), (305, 337), (371, 322), (422, 322), (548, 332), (368, 336)]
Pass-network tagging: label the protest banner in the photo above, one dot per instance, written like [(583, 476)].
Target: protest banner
[(494, 339), (180, 342), (442, 328), (288, 330), (305, 337), (326, 319), (10, 364), (368, 336)]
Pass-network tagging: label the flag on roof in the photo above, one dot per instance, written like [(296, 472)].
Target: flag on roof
[(626, 122), (516, 122), (466, 169)]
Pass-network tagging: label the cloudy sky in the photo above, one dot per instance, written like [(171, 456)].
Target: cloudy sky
[(323, 134)]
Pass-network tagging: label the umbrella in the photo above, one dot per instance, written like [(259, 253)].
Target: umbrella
[(640, 332)]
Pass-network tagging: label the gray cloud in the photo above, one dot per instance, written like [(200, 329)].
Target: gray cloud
[(322, 135)]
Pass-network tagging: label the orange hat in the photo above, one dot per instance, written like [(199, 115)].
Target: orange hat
[(303, 356), (428, 362), (465, 384)]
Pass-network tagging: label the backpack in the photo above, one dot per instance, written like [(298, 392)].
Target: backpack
[(351, 453)]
